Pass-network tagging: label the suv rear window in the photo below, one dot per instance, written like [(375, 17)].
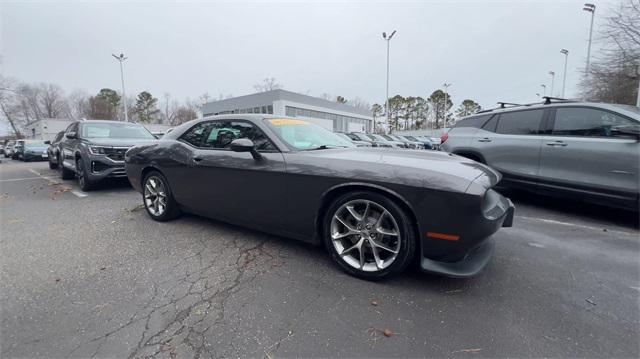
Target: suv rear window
[(475, 122), (520, 122)]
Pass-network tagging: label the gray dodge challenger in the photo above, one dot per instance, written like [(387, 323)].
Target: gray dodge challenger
[(375, 210)]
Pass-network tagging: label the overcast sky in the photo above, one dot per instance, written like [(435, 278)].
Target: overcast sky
[(489, 51)]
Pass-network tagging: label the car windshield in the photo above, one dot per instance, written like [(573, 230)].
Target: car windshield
[(115, 130), (34, 144), (304, 135), (388, 138)]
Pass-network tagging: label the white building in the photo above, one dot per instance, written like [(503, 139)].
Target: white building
[(46, 128), (333, 116)]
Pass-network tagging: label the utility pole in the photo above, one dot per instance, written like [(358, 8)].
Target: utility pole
[(544, 90), (553, 77), (386, 106), (592, 9), (121, 59), (564, 75)]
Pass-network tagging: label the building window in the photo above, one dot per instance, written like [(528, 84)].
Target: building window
[(270, 109)]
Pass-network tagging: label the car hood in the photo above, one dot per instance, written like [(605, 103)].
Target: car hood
[(118, 142), (416, 168)]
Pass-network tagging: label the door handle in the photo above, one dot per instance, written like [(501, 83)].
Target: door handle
[(197, 159), (485, 139), (556, 143)]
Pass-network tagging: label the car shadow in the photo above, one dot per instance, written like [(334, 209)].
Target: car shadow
[(566, 206)]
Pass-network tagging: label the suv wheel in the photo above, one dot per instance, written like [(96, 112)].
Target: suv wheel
[(83, 181), (53, 162)]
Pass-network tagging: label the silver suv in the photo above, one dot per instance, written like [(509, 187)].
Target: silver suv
[(586, 150)]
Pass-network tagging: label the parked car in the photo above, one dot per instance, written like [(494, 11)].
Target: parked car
[(361, 136), (395, 142), (356, 142), (94, 150), (2, 149), (53, 151), (17, 148), (426, 143), (387, 140), (8, 149), (416, 145), (584, 150), (373, 210), (32, 150)]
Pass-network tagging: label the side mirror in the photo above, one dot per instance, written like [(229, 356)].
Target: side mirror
[(71, 135), (47, 142), (245, 145)]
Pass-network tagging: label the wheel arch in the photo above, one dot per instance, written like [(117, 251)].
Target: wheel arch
[(147, 169), (334, 192)]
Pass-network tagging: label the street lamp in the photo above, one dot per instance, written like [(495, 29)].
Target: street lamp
[(553, 77), (121, 59), (444, 110), (544, 90), (388, 40), (592, 9), (564, 76)]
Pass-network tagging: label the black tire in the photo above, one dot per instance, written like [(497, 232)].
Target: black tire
[(85, 183), (65, 173), (406, 241), (53, 162), (171, 210)]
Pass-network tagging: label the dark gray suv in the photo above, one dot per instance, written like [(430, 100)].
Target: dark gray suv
[(586, 150), (94, 150)]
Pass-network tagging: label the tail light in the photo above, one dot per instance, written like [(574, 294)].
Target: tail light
[(444, 137)]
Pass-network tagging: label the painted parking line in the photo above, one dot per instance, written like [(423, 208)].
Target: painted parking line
[(51, 180), (581, 226), (22, 179)]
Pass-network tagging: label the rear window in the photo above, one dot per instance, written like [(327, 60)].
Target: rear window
[(520, 122), (475, 122)]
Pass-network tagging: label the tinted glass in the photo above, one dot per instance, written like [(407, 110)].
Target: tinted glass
[(476, 121), (520, 123), (491, 124), (195, 135), (115, 130), (222, 133), (587, 122)]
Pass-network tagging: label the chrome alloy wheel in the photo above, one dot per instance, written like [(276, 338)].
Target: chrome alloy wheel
[(365, 235), (155, 196)]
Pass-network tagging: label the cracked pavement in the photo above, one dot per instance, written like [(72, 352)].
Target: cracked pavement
[(95, 277)]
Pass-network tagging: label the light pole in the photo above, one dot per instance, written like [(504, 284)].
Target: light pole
[(564, 75), (544, 90), (444, 109), (386, 106), (592, 9), (121, 59), (553, 77)]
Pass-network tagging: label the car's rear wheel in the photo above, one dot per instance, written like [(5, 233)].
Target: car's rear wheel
[(369, 235), (53, 163), (65, 173), (158, 198), (84, 182)]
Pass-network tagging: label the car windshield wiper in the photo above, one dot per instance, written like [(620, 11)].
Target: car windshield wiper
[(324, 147)]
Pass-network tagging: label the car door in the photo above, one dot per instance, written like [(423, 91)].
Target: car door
[(68, 145), (510, 143), (228, 185), (583, 152)]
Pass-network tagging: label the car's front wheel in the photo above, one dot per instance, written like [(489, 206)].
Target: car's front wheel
[(158, 198), (84, 182), (53, 162), (369, 235)]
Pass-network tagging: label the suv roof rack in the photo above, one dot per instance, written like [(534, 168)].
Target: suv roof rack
[(547, 99), (503, 105)]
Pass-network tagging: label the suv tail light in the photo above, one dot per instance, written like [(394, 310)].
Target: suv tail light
[(444, 137)]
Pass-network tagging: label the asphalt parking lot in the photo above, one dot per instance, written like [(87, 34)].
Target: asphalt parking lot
[(90, 275)]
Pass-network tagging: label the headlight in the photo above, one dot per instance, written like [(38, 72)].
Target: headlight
[(98, 150)]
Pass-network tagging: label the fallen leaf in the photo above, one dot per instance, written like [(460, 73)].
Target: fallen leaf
[(473, 350), (103, 268), (454, 291), (374, 303), (57, 279), (387, 332), (590, 301)]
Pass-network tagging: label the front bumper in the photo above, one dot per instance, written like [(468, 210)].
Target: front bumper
[(466, 251), (35, 156), (101, 167)]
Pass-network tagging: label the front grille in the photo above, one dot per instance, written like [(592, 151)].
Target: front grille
[(116, 153), (120, 172)]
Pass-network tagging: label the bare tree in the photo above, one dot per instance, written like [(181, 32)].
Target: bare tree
[(615, 72), (52, 101), (357, 102), (10, 105), (78, 104), (267, 84)]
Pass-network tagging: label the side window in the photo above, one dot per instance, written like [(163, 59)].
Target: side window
[(475, 122), (195, 135), (576, 121), (222, 133), (520, 122), (72, 128), (491, 124)]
